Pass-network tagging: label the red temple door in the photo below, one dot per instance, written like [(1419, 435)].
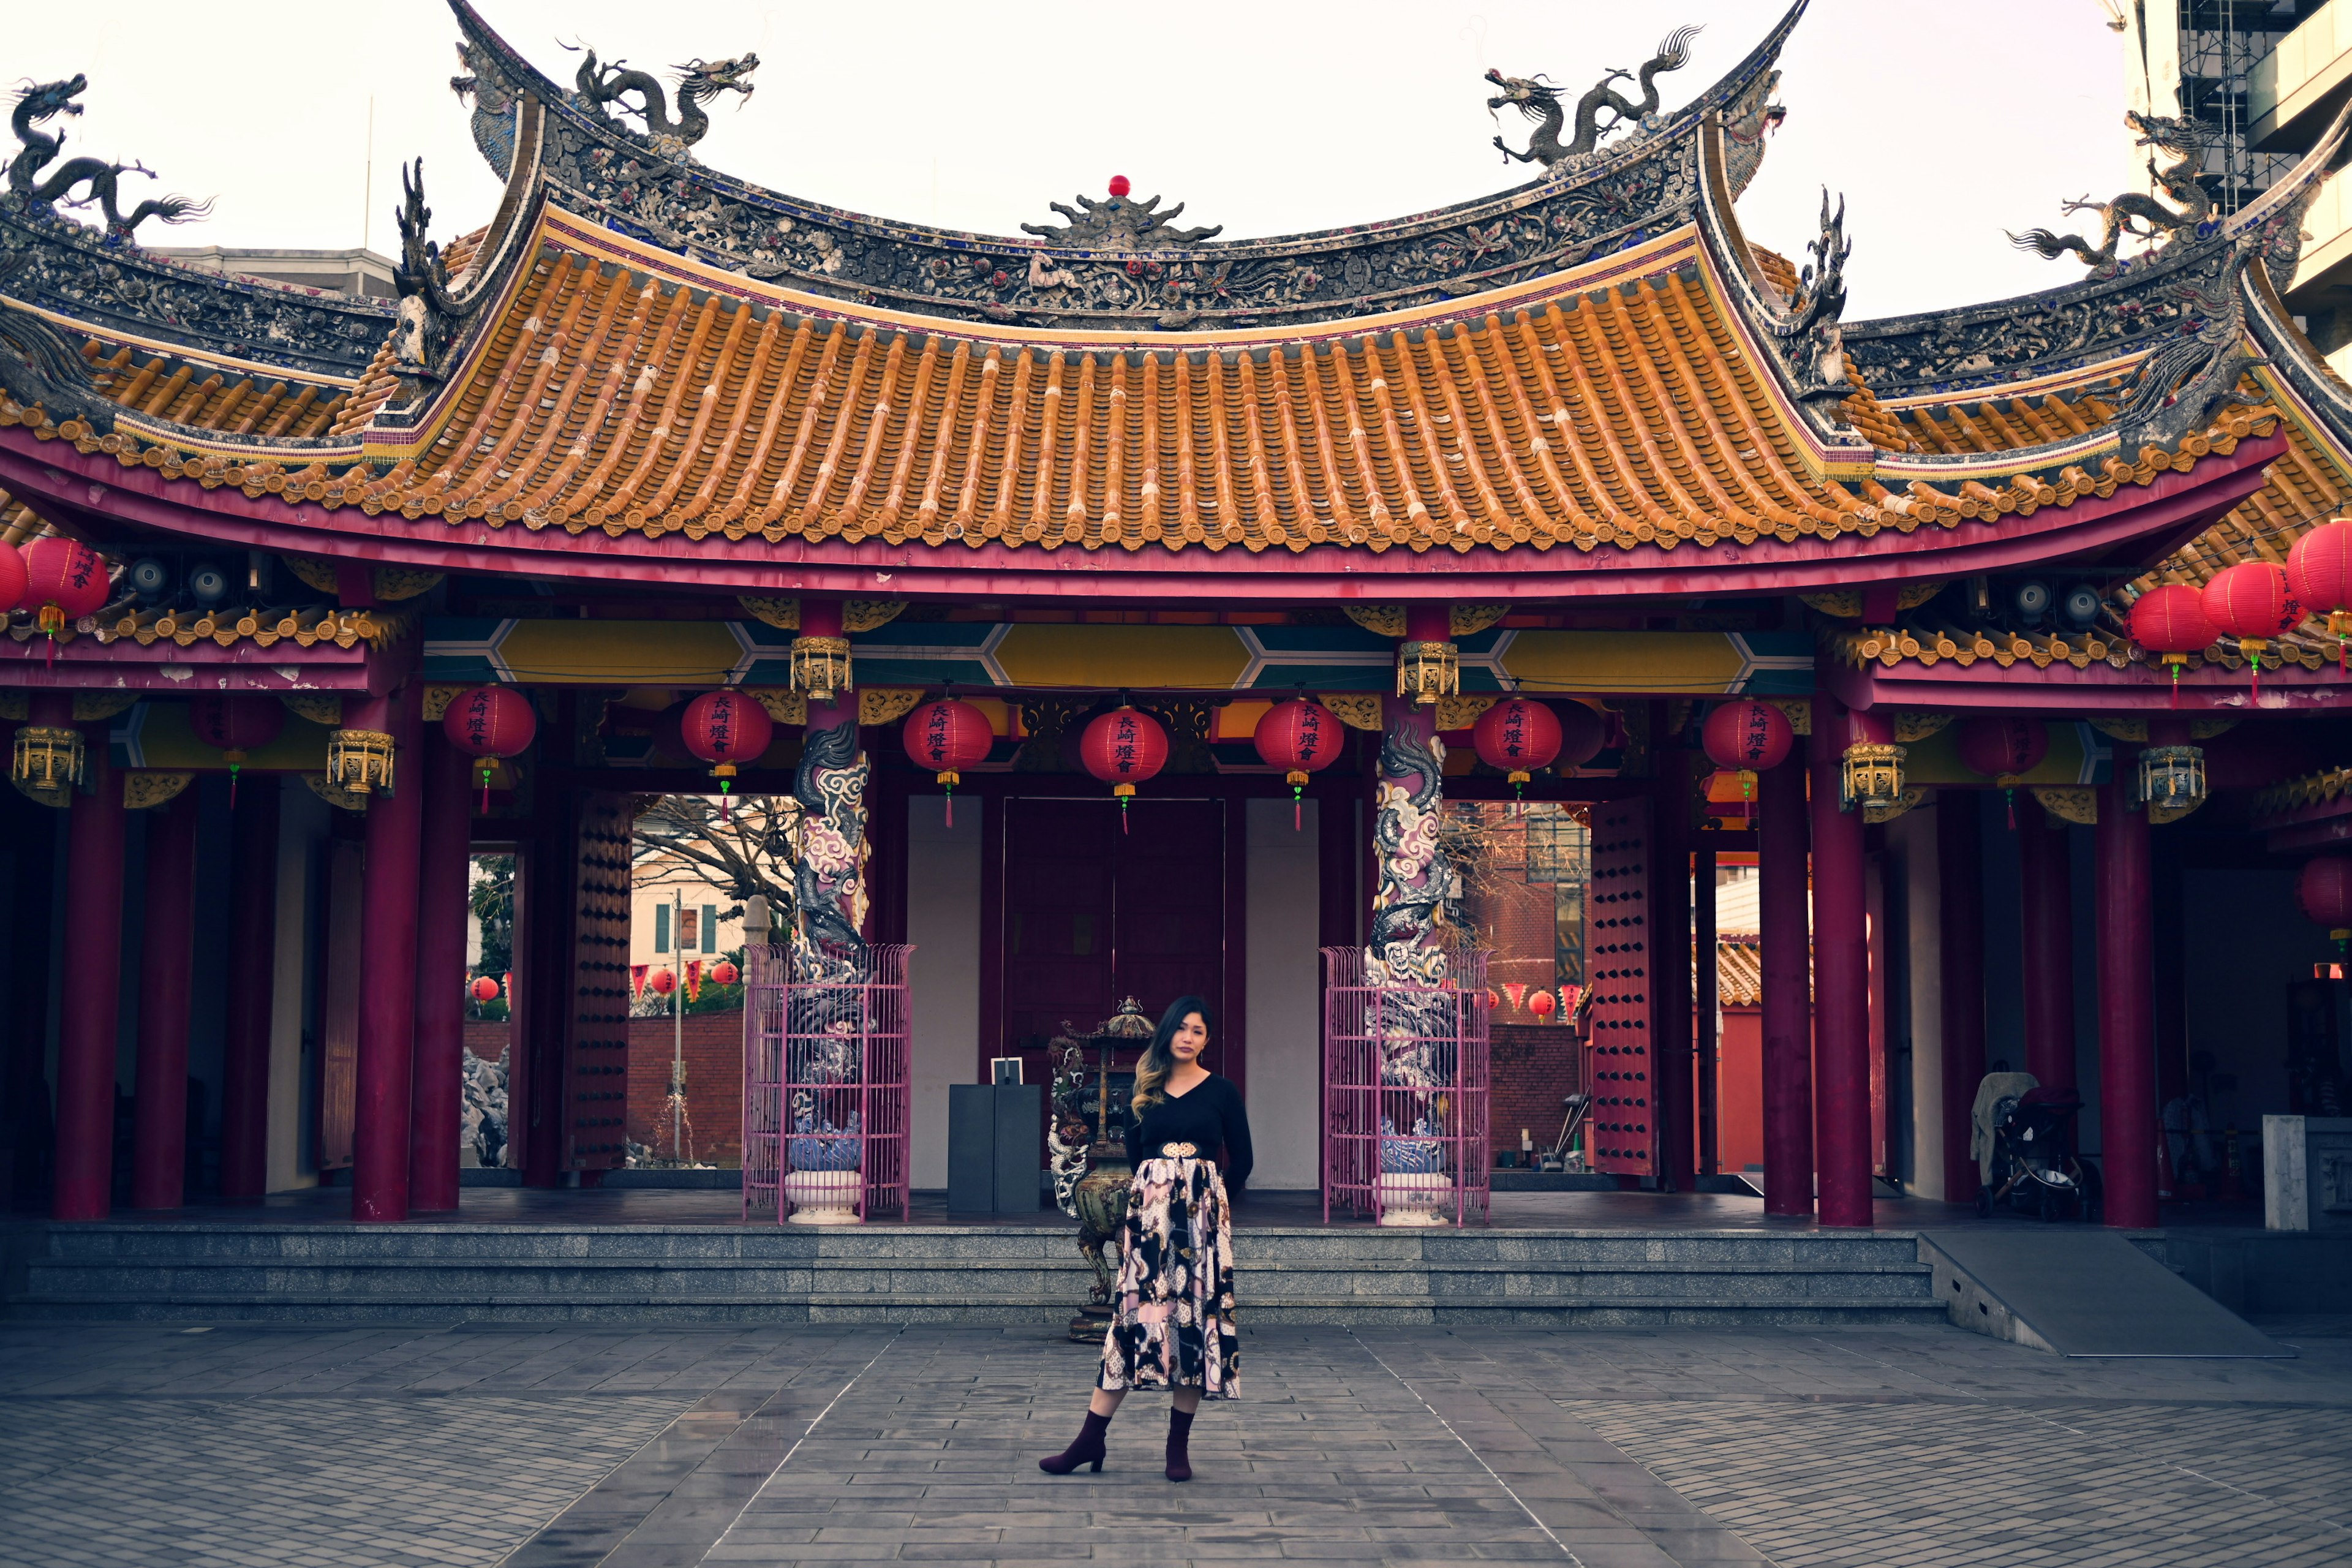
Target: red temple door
[(596, 1039), (1622, 950), (1093, 914)]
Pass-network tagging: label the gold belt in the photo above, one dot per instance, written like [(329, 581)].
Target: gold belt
[(1180, 1150)]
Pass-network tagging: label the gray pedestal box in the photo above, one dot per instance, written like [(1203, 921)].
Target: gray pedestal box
[(994, 1133)]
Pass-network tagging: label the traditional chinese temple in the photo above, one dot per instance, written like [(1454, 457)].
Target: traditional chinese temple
[(1968, 631)]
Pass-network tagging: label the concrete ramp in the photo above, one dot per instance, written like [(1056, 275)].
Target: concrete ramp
[(2082, 1291)]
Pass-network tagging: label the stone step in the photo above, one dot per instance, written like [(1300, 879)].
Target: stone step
[(1620, 1311), (912, 1281)]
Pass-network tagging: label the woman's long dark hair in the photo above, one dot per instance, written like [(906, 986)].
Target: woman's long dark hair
[(1158, 1061)]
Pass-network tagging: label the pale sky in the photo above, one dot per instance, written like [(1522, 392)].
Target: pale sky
[(1943, 124)]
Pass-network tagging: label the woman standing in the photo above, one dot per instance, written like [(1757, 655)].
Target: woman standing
[(1174, 1304)]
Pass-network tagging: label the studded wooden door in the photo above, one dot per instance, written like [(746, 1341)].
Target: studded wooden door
[(1620, 955), (597, 1107)]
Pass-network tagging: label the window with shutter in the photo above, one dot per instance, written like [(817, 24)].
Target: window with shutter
[(661, 928)]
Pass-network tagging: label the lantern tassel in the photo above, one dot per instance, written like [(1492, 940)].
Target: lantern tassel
[(724, 786), (231, 785), (2009, 797), (486, 786)]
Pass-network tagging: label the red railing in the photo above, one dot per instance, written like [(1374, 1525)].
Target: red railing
[(1404, 1091), (827, 1093)]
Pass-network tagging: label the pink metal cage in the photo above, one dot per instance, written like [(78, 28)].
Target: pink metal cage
[(827, 1094), (1404, 1088)]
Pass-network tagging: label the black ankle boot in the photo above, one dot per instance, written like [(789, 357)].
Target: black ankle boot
[(1089, 1448), (1180, 1435)]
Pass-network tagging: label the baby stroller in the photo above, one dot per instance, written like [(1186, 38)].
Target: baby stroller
[(2035, 1169)]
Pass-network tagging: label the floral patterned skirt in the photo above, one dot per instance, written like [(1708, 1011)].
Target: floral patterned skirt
[(1174, 1304)]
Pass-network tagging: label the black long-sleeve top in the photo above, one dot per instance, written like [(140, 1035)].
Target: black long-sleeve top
[(1207, 1115)]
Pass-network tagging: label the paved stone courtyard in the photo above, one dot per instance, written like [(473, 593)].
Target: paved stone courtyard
[(139, 1445)]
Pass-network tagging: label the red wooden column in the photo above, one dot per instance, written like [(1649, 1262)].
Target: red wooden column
[(2127, 1123), (158, 1121), (252, 975), (1785, 960), (386, 1067), (1841, 978), (1707, 996), (89, 1004), (1670, 976), (435, 1095), (2047, 927), (1959, 891)]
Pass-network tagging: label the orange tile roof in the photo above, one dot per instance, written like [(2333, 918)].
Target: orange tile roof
[(205, 396), (1632, 413)]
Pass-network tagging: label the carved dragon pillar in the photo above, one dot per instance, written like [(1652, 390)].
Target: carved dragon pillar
[(830, 880)]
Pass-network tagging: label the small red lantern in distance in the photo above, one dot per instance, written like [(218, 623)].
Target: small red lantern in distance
[(2324, 891), (1123, 748), (237, 725), (1744, 738), (13, 578), (2001, 748), (2319, 573), (724, 973), (1517, 736), (1300, 737), (1540, 1004), (491, 722), (2171, 622), (65, 580), (723, 728), (2251, 603), (1582, 734), (663, 982), (483, 988), (947, 736)]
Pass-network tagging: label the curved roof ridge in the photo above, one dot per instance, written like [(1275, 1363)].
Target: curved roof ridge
[(1615, 197)]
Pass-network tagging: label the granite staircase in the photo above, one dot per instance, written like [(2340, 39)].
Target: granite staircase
[(221, 1272)]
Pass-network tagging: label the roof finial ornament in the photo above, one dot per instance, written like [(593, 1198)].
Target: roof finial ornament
[(1118, 224), (429, 307), (2133, 212), (40, 148), (1539, 100), (698, 81)]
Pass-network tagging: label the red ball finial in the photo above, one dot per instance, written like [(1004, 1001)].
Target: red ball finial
[(1118, 185)]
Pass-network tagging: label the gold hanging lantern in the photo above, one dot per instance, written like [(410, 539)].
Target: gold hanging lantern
[(2172, 778), (359, 761), (48, 760), (821, 666), (1873, 777), (1427, 671)]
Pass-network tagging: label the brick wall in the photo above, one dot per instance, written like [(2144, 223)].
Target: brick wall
[(1531, 1067), (714, 1086), (714, 1082)]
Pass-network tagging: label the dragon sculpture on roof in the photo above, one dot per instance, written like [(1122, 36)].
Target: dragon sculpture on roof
[(2134, 213), (1540, 100), (1118, 224), (598, 85), (31, 190)]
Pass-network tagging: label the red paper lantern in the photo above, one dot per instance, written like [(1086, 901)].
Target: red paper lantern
[(2325, 890), (947, 736), (65, 579), (1300, 737), (1745, 737), (12, 579), (1517, 736), (491, 722), (663, 982), (1540, 1004), (2319, 573), (723, 728), (1123, 748), (725, 972), (2251, 603), (1582, 734), (2171, 622), (2001, 747), (483, 988), (236, 724)]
